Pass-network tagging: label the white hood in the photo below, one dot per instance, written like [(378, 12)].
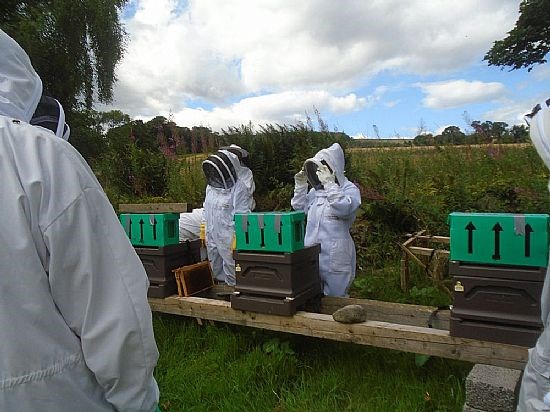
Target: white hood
[(334, 156), (243, 173), (20, 86), (539, 126)]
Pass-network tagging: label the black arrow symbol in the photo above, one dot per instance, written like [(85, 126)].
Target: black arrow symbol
[(470, 228), (497, 229), (528, 231), (154, 229), (130, 228), (141, 222)]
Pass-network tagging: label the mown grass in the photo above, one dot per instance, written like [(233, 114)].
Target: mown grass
[(227, 368)]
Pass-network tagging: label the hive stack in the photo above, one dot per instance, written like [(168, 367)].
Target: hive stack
[(155, 237), (498, 264), (275, 273)]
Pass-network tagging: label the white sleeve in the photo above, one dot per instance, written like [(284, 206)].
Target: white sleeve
[(299, 200), (100, 288), (243, 199), (344, 200)]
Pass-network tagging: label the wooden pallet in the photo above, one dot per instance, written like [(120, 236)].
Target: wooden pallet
[(389, 325)]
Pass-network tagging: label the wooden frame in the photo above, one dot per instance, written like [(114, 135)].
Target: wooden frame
[(193, 279)]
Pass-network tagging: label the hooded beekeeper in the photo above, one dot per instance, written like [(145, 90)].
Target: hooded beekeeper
[(230, 189), (535, 386), (76, 328), (330, 206)]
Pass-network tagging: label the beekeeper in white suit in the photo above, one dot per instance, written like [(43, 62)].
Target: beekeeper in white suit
[(76, 327), (230, 190), (330, 206), (535, 386)]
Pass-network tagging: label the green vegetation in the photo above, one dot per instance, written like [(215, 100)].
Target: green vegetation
[(528, 43), (74, 45), (227, 368), (407, 190)]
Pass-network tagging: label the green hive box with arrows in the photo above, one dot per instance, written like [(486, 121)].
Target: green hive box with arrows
[(500, 238), (153, 230)]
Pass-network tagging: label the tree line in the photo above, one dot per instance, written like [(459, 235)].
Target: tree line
[(482, 132)]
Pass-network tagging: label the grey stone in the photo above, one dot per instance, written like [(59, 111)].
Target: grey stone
[(350, 314), (492, 388)]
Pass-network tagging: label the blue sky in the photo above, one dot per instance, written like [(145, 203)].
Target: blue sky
[(403, 65)]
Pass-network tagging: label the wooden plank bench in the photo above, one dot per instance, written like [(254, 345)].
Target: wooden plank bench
[(154, 208), (389, 325)]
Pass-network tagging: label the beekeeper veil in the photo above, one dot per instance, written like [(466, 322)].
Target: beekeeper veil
[(238, 151), (332, 159), (20, 85), (50, 115), (219, 169)]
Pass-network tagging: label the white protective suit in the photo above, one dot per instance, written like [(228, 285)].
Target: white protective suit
[(190, 225), (535, 385), (330, 214), (76, 330), (220, 206)]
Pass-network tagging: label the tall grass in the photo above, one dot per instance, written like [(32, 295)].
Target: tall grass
[(426, 185)]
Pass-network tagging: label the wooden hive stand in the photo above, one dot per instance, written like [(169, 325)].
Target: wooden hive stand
[(426, 251)]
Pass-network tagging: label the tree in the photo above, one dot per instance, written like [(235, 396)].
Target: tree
[(528, 42), (426, 139), (453, 135), (519, 133), (73, 45)]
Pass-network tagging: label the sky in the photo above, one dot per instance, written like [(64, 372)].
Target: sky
[(376, 68)]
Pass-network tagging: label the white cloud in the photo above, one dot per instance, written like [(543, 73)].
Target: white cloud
[(457, 93), (512, 111), (278, 108), (217, 52)]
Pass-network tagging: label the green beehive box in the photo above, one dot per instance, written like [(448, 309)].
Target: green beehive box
[(151, 229), (270, 231), (500, 238)]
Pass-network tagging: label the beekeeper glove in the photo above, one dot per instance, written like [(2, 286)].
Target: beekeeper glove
[(300, 179), (326, 177), (202, 233), (234, 242)]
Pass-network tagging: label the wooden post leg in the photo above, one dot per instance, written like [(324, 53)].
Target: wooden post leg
[(405, 274), (199, 321)]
